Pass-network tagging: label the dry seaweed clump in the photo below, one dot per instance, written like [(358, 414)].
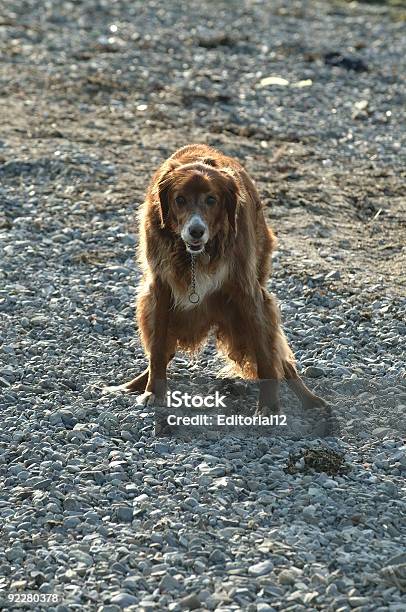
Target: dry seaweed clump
[(318, 460)]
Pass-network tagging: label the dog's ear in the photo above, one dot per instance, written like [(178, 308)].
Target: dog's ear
[(232, 203), (164, 185)]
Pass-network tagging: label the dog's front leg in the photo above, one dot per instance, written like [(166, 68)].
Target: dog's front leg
[(268, 363), (155, 389), (268, 402)]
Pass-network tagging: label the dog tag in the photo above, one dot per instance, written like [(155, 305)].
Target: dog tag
[(194, 297)]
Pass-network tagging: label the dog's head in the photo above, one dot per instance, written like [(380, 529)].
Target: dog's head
[(197, 201)]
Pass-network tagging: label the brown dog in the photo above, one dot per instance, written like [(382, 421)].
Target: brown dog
[(205, 252)]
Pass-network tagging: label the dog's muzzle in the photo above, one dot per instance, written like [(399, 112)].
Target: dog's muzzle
[(195, 234)]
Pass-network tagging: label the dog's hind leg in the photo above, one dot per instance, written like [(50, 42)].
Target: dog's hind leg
[(283, 357), (270, 353), (268, 356), (307, 397), (248, 333), (290, 373)]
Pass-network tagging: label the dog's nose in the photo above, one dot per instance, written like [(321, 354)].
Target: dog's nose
[(196, 231)]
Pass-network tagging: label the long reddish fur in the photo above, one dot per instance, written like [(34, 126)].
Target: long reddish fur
[(248, 255)]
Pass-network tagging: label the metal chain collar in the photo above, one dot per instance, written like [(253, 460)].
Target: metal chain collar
[(194, 297)]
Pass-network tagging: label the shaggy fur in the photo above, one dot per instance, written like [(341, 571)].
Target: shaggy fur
[(231, 277)]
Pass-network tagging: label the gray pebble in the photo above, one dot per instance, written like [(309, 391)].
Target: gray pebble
[(261, 569)]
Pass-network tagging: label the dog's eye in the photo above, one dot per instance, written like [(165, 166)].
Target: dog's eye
[(211, 200), (180, 200)]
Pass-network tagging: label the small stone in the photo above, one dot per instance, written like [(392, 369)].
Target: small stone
[(160, 448), (39, 321), (261, 568), (356, 602), (314, 372), (309, 514), (67, 417), (124, 514), (132, 583), (273, 80), (214, 472), (44, 484), (123, 599), (82, 557), (119, 568), (140, 499), (315, 492), (71, 503), (15, 553), (217, 556), (289, 576), (169, 583), (361, 105), (71, 522), (191, 602), (69, 575), (264, 607)]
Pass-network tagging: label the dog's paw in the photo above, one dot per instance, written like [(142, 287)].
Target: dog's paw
[(116, 389), (150, 399), (314, 401), (264, 410)]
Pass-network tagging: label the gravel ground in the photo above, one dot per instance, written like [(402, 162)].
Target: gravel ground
[(93, 506)]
